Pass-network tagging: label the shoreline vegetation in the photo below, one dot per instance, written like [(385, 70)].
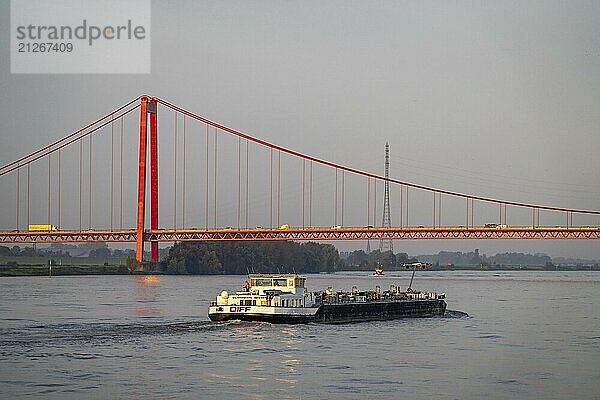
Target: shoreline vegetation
[(240, 258)]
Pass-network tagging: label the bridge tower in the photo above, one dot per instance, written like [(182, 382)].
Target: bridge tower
[(148, 107), (386, 244)]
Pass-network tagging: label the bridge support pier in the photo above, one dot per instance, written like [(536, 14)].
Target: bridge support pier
[(141, 199)]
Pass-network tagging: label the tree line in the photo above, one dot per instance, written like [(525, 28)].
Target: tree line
[(360, 260), (67, 250), (206, 258)]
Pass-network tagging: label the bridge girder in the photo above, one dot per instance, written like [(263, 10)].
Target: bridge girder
[(317, 234)]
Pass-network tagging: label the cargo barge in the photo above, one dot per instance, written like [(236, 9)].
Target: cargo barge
[(283, 298)]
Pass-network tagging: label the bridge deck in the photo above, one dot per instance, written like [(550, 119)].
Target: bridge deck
[(346, 233)]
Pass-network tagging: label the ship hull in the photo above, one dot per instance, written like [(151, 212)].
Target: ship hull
[(272, 318), (379, 311), (336, 313)]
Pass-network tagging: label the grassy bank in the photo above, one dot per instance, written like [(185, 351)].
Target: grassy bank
[(64, 270), (39, 266)]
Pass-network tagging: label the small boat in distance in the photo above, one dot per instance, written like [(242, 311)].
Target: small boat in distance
[(283, 298), (378, 271)]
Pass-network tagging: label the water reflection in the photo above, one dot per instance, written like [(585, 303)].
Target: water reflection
[(292, 343), (146, 293)]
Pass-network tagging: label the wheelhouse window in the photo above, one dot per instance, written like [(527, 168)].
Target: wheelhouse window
[(279, 282), (300, 282), (262, 282)]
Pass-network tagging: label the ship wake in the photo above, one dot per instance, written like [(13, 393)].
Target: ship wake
[(455, 314)]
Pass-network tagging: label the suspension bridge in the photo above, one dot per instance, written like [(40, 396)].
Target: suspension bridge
[(91, 186)]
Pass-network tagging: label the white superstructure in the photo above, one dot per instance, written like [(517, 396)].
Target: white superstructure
[(269, 294)]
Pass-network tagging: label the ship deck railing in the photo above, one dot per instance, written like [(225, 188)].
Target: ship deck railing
[(382, 299)]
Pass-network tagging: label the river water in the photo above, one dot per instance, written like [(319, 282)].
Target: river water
[(529, 335)]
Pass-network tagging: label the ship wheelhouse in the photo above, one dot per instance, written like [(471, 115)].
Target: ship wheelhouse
[(269, 290), (285, 283)]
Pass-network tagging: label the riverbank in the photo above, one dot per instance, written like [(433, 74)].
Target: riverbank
[(44, 270), (65, 270)]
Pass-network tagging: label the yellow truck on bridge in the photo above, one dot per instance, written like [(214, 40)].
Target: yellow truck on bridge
[(42, 227)]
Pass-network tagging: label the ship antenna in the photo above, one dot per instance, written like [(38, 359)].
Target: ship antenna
[(412, 277)]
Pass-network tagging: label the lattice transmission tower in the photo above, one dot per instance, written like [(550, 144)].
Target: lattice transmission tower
[(386, 244)]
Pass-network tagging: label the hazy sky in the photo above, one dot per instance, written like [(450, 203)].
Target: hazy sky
[(499, 99)]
